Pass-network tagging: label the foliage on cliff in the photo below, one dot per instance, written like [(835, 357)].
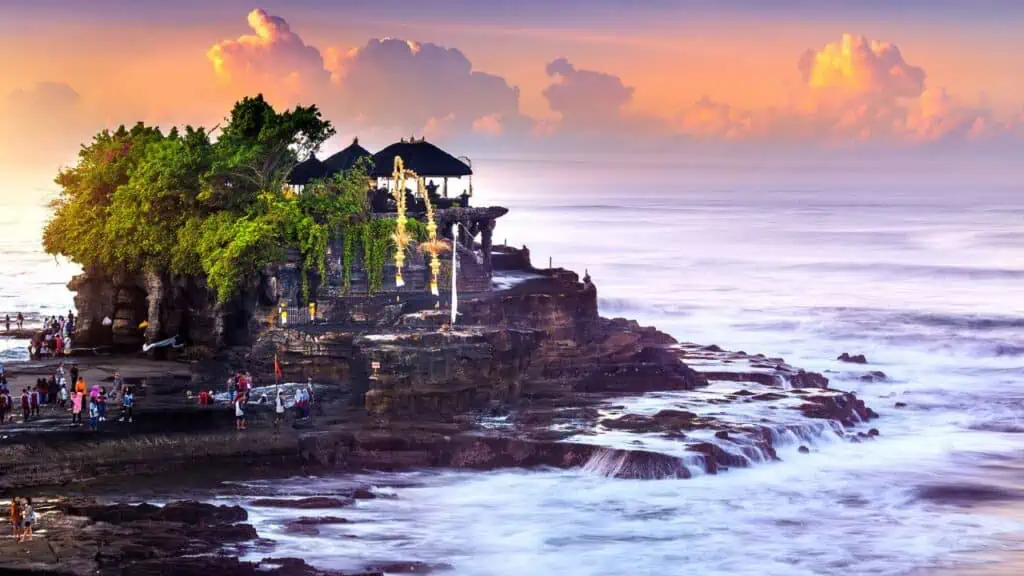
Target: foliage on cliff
[(184, 203)]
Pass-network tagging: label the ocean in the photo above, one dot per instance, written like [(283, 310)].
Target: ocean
[(920, 268)]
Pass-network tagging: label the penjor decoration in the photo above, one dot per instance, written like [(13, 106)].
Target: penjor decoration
[(433, 246), (401, 235)]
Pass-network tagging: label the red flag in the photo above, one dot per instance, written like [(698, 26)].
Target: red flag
[(277, 368)]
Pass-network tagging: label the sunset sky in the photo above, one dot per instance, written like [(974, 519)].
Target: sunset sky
[(523, 74)]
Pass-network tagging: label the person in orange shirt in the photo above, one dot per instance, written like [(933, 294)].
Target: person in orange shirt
[(16, 516), (80, 385)]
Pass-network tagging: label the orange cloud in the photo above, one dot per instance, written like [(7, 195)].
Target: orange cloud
[(273, 59), (387, 84), (854, 90), (859, 67)]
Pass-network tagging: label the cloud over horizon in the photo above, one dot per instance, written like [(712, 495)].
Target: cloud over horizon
[(852, 91), (855, 90)]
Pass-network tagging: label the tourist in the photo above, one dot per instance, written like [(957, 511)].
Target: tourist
[(63, 396), (127, 404), (8, 406), (232, 388), (240, 423), (58, 342), (76, 408), (3, 407), (16, 517), (7, 321), (28, 519), (94, 416), (118, 385), (278, 408), (102, 401), (26, 406), (21, 321), (74, 374), (34, 402)]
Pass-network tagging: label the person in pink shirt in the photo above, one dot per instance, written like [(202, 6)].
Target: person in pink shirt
[(76, 408)]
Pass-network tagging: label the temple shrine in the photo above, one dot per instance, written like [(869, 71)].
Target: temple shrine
[(420, 186)]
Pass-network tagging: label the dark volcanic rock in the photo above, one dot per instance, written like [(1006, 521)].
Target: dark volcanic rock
[(80, 537), (965, 494), (191, 513), (854, 359)]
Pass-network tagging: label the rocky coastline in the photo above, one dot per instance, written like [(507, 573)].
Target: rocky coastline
[(530, 376)]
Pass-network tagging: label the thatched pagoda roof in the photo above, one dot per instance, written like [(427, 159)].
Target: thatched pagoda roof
[(421, 157), (347, 158), (307, 170)]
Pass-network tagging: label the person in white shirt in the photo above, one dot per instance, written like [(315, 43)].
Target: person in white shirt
[(278, 408)]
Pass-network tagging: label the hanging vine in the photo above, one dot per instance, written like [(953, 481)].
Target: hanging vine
[(350, 237), (377, 241)]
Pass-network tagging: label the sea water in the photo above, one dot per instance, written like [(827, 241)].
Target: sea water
[(919, 268)]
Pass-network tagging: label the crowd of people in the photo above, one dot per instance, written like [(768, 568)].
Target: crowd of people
[(239, 393), (54, 339), (68, 394)]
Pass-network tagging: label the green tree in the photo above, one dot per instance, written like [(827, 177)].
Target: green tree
[(184, 204)]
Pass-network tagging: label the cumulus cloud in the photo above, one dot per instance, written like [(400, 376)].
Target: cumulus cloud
[(858, 67), (387, 85), (587, 100), (410, 85), (273, 59), (854, 90)]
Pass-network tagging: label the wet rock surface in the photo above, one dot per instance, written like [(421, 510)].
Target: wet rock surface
[(80, 536)]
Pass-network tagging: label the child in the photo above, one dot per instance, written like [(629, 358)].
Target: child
[(28, 518), (127, 403), (102, 401), (76, 408), (94, 416), (64, 396), (239, 413)]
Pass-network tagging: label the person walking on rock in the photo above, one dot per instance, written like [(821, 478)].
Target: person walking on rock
[(127, 404), (94, 416), (76, 408), (16, 517), (278, 409), (28, 520), (21, 321), (240, 423), (26, 406)]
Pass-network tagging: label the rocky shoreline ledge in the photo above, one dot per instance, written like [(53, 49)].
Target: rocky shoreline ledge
[(531, 377)]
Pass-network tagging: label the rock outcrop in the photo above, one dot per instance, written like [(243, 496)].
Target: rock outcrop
[(84, 537)]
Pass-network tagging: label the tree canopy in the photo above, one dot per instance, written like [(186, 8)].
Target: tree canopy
[(185, 203)]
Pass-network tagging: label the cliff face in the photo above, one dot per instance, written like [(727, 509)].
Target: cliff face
[(182, 307), (536, 335)]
